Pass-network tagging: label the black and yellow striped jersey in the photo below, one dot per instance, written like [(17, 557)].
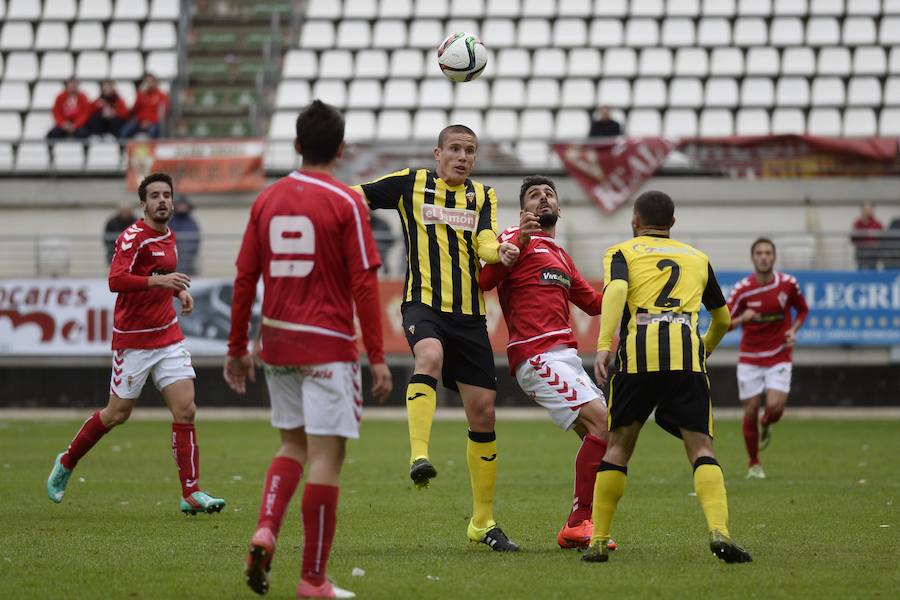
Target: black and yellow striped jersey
[(667, 281), (448, 230)]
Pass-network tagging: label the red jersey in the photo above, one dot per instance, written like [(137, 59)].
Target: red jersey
[(75, 108), (535, 294), (144, 317), (310, 239), (148, 104), (762, 342)]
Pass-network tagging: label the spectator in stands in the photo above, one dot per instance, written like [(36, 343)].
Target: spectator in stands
[(150, 107), (603, 125), (187, 235), (866, 237), (384, 240), (108, 113), (71, 111), (890, 248), (118, 223)]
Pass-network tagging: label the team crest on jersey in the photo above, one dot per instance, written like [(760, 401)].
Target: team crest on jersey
[(782, 299), (470, 197)]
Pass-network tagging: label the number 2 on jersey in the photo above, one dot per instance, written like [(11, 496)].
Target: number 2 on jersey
[(664, 301), (292, 235)]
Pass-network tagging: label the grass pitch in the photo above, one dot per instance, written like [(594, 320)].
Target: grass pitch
[(823, 525)]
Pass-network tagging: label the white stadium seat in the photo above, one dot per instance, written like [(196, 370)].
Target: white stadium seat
[(534, 33), (547, 62), (726, 61), (428, 123), (822, 31), (163, 64), (300, 64), (7, 157), (894, 60), (44, 94), (130, 10), (858, 31), (614, 92), (436, 93), (60, 10), (425, 34), (26, 10), (572, 124), (10, 127), (646, 8), (827, 91), (32, 157), (126, 90), (620, 62), (501, 124), (792, 91), (798, 61), (92, 65), (678, 32), (461, 8), (606, 33), (889, 32), (641, 32), (714, 32), (394, 125), (336, 64), (280, 156), (371, 63), (501, 32), (791, 8), (716, 122), (389, 34), (834, 61), (37, 124), (584, 62), (892, 91), (407, 63), (292, 94), (317, 34), (360, 125), (513, 62), (165, 9), (686, 92), (536, 124), (87, 35), (400, 93), (752, 121), (680, 122), (718, 8), (282, 126), (750, 31), (755, 8), (57, 65), (578, 93), (21, 66), (889, 122), (68, 157), (126, 64), (95, 10), (762, 60), (788, 120), (323, 9), (786, 31), (864, 7), (505, 93), (123, 35), (691, 61), (431, 9), (467, 25), (644, 122), (475, 94), (16, 36), (503, 8), (536, 153), (721, 91), (869, 61), (826, 7), (354, 34), (683, 8), (51, 35), (859, 122), (330, 91), (574, 8), (14, 95), (473, 118), (649, 92), (363, 93), (360, 9), (542, 93), (655, 62), (611, 8), (864, 91), (757, 92), (159, 35), (568, 33)]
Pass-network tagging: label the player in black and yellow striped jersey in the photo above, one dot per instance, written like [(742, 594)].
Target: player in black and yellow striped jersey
[(654, 288), (450, 226)]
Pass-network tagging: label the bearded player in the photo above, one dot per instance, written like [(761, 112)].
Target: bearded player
[(147, 342), (543, 353), (761, 303)]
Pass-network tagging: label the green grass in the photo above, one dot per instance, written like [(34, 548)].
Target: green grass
[(814, 527)]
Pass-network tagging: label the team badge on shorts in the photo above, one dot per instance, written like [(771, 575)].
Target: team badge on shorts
[(412, 330)]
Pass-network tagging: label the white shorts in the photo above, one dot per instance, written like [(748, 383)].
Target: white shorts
[(557, 381), (130, 369), (325, 399), (754, 380)]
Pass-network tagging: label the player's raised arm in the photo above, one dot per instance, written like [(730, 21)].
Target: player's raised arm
[(386, 191), (714, 301)]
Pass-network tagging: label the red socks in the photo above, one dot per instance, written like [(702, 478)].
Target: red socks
[(751, 439), (586, 462), (89, 434), (187, 457), (319, 519), (770, 417), (281, 482)]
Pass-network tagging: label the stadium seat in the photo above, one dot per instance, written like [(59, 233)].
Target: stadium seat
[(726, 62), (502, 8), (467, 25), (716, 122), (865, 7), (126, 90), (827, 91), (644, 122), (123, 35), (892, 91), (792, 91), (611, 8), (859, 122), (501, 124), (425, 34), (655, 62), (536, 124), (336, 64), (824, 121), (513, 62), (163, 64), (68, 157), (363, 93), (7, 157), (300, 64), (10, 127), (641, 32), (569, 33), (869, 61), (361, 9), (280, 156), (680, 122), (788, 120), (752, 121), (718, 8), (864, 91), (44, 94), (330, 91), (578, 93), (51, 35), (60, 10), (87, 36), (649, 93), (292, 94), (714, 32), (834, 61), (14, 95), (360, 125), (394, 125), (24, 10), (889, 32), (282, 126), (798, 61), (606, 33), (538, 8), (403, 8), (755, 8), (95, 10), (620, 62), (572, 124), (92, 65), (317, 34), (473, 118), (505, 93), (757, 92), (646, 8), (686, 92), (431, 9), (57, 65), (37, 124), (534, 33), (166, 9), (891, 7), (323, 9), (542, 93), (21, 66), (436, 93), (786, 31), (32, 157), (762, 60), (574, 8), (790, 8), (159, 35), (371, 63), (126, 64), (501, 32), (130, 10), (407, 63), (750, 31), (1, 60), (894, 60), (533, 153), (16, 36), (427, 124), (822, 31), (721, 91), (826, 7), (400, 93), (889, 122), (858, 31), (547, 62), (691, 62), (477, 95), (614, 92), (354, 34), (389, 34)]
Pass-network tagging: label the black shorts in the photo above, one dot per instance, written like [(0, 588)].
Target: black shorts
[(468, 356), (681, 400)]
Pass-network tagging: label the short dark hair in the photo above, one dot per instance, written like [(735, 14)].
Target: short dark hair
[(320, 132), (655, 208), (762, 240), (531, 181), (152, 178), (442, 136)]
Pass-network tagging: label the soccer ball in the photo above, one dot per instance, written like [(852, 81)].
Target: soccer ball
[(462, 57)]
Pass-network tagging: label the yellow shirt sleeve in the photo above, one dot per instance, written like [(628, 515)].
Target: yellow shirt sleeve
[(488, 246), (615, 295), (721, 320)]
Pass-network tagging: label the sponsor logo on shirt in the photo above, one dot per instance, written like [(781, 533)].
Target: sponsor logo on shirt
[(159, 253), (556, 277), (456, 218)]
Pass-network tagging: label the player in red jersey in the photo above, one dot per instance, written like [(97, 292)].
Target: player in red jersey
[(309, 238), (543, 352), (147, 341), (761, 303)]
